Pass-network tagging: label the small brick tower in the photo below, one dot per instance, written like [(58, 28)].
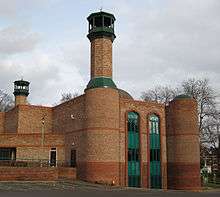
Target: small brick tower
[(183, 144), (21, 91), (101, 158)]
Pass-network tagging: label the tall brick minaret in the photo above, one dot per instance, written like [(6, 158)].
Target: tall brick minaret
[(21, 91), (101, 158), (101, 35)]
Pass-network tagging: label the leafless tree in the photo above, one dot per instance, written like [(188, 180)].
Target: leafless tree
[(205, 96), (160, 94), (68, 96), (6, 101)]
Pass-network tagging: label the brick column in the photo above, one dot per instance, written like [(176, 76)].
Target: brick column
[(101, 57)]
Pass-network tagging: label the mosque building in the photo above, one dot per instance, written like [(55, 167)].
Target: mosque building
[(106, 135)]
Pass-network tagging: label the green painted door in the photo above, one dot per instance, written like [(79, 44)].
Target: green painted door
[(155, 164), (133, 150)]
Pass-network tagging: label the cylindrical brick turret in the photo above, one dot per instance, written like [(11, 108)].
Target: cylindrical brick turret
[(101, 138), (21, 91), (183, 150)]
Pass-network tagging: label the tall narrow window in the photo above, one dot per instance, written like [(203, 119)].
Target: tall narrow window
[(133, 150), (73, 158), (53, 157), (155, 164)]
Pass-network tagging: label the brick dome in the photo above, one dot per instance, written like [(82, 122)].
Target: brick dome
[(124, 94)]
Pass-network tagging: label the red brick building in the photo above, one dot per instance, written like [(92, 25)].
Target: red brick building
[(109, 136)]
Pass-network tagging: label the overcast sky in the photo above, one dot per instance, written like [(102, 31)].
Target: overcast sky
[(159, 42)]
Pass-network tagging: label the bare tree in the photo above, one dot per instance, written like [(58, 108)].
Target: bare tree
[(160, 94), (204, 94), (6, 101), (68, 96)]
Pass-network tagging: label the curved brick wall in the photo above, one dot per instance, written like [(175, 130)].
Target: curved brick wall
[(183, 145), (101, 151)]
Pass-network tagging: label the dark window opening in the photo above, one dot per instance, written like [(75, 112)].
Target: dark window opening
[(155, 155), (73, 158), (133, 154), (107, 22), (53, 157), (98, 21), (7, 153)]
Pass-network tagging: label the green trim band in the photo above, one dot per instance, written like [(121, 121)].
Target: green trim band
[(101, 82), (21, 92), (100, 34)]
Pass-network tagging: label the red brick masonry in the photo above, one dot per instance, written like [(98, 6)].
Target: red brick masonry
[(184, 176), (36, 174)]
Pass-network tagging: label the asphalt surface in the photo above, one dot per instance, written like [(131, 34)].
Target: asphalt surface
[(67, 189)]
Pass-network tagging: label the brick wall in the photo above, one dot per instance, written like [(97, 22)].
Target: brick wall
[(30, 119), (62, 120), (11, 120), (36, 174), (29, 145), (2, 122), (69, 119), (101, 57)]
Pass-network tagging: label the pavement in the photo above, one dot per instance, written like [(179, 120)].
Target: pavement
[(83, 189)]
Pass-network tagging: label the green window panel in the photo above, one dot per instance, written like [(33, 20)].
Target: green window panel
[(133, 140), (134, 168), (133, 150), (154, 141), (155, 164)]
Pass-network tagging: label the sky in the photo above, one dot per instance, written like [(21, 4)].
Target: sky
[(158, 42)]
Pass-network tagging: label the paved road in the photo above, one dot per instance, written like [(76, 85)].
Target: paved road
[(85, 190)]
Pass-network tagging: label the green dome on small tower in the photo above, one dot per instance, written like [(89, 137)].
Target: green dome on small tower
[(182, 96), (101, 24), (21, 87)]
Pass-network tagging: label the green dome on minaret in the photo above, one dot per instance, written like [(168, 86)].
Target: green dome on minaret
[(101, 24)]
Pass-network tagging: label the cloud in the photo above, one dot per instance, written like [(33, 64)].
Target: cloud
[(158, 43), (17, 39), (165, 43), (11, 9), (50, 75)]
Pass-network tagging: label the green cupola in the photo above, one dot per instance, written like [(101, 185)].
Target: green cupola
[(21, 88), (101, 24)]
